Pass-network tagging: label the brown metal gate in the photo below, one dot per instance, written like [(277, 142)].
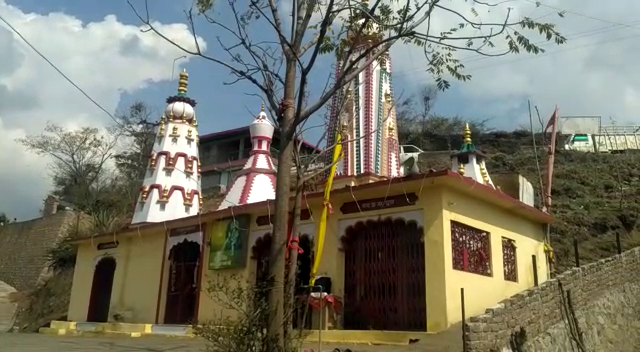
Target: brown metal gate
[(182, 288), (384, 276)]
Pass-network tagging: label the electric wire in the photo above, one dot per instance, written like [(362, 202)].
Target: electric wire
[(538, 3), (582, 34), (26, 41), (556, 52), (59, 71)]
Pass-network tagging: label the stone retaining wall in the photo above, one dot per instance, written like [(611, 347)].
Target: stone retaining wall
[(596, 304)]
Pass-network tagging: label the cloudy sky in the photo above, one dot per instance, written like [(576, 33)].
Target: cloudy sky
[(100, 47)]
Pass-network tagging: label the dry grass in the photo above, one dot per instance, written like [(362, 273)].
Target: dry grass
[(48, 302)]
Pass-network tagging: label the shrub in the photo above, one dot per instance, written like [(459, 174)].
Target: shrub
[(242, 318)]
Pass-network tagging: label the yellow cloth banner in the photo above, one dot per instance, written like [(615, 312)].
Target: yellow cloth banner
[(322, 226)]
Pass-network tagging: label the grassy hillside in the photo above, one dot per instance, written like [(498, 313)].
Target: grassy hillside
[(595, 196)]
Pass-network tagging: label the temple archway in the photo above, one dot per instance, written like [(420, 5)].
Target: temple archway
[(384, 281), (260, 252), (182, 286), (302, 310), (101, 289)]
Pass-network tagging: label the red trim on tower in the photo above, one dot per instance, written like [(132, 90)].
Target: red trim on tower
[(254, 162), (255, 170), (346, 153), (246, 189), (260, 151), (175, 188), (368, 112), (167, 155), (389, 152), (270, 161)]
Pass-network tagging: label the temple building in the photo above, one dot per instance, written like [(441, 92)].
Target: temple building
[(398, 248), (432, 234)]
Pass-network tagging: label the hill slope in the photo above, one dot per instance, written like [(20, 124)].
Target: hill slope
[(595, 196)]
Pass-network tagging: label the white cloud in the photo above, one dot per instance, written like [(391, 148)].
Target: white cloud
[(595, 73), (105, 58)]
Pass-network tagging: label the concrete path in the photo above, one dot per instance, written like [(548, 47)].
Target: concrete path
[(10, 342)]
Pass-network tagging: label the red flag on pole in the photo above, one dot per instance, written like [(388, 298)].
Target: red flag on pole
[(553, 121)]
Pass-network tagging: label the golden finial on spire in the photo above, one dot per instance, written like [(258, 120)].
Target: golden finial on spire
[(460, 168), (262, 106), (183, 82), (467, 134)]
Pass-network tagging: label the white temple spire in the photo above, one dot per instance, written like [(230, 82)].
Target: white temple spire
[(256, 182), (470, 162), (171, 188)]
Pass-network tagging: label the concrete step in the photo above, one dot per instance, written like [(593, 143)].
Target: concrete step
[(52, 331), (122, 329)]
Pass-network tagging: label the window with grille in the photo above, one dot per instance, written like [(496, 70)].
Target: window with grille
[(509, 259), (471, 249)]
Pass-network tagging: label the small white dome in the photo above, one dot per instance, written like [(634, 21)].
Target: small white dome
[(179, 109), (261, 127)]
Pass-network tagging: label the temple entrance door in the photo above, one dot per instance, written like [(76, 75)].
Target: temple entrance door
[(182, 288), (384, 276), (101, 288)]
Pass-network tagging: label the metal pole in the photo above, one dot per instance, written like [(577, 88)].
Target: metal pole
[(321, 319), (535, 270), (464, 318), (173, 67)]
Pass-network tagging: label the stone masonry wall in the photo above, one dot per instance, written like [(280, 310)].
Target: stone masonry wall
[(24, 246), (596, 306)]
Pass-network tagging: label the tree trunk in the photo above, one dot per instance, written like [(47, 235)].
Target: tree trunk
[(279, 242), (292, 270)]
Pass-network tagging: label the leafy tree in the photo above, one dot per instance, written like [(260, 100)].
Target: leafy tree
[(430, 132), (80, 157), (256, 47), (78, 165), (137, 129)]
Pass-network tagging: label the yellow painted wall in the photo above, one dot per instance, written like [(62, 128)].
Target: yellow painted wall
[(435, 209), (136, 279), (482, 292), (213, 303), (137, 276)]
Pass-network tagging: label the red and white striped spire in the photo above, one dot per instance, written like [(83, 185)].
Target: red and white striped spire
[(256, 182), (367, 111)]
